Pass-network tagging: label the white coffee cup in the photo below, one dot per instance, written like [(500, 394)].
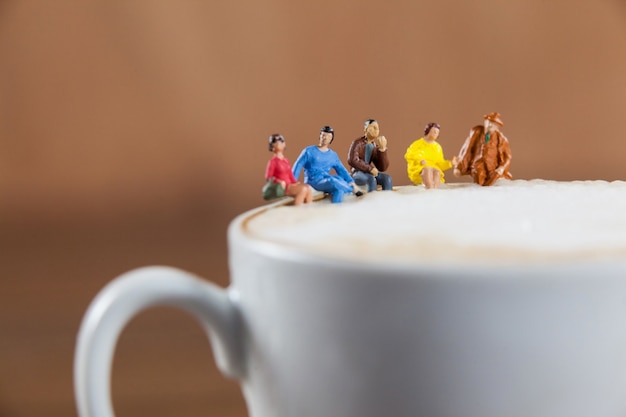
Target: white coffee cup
[(322, 336)]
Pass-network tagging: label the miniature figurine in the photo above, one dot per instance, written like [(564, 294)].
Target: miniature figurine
[(368, 158), (280, 179), (317, 162), (486, 153), (425, 161)]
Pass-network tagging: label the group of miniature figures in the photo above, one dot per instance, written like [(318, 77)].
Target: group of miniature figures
[(485, 155)]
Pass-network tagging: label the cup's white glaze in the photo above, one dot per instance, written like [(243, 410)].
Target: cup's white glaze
[(316, 337)]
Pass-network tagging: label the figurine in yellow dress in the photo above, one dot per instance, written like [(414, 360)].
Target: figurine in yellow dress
[(425, 161)]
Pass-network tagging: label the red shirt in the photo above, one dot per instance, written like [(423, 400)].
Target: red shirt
[(280, 169)]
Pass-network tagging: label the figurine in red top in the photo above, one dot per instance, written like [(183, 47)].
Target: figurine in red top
[(278, 171), (486, 153)]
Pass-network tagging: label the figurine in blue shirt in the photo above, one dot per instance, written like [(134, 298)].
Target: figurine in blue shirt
[(317, 162)]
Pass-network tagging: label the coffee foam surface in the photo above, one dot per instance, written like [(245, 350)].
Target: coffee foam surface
[(537, 221)]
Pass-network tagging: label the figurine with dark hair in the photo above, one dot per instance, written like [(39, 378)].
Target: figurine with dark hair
[(425, 161), (368, 158), (318, 161), (278, 173), (486, 153)]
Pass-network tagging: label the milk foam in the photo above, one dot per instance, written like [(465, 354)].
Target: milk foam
[(513, 220)]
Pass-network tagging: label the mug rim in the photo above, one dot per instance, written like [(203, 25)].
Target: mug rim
[(237, 234)]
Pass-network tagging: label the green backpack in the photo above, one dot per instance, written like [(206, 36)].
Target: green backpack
[(272, 190)]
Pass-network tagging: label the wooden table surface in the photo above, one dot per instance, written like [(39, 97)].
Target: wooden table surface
[(52, 269)]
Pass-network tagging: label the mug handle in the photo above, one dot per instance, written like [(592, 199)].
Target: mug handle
[(216, 309)]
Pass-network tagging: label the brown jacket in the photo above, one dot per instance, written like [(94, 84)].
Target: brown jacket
[(481, 159), (356, 157)]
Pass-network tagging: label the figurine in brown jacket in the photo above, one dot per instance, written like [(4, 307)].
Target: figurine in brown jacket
[(368, 159), (486, 154)]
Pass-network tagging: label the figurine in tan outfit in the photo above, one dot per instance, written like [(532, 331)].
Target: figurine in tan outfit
[(486, 153)]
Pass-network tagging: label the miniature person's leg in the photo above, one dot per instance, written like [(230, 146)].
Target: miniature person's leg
[(323, 186), (384, 180), (427, 177), (292, 191), (492, 178), (495, 177), (363, 178), (479, 174), (436, 178), (308, 198), (334, 186), (336, 197), (298, 192), (341, 187)]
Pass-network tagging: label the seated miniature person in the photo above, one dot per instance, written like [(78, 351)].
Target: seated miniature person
[(279, 172), (486, 153), (368, 158), (425, 161), (317, 161)]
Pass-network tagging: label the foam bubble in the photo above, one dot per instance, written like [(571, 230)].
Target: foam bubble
[(535, 220)]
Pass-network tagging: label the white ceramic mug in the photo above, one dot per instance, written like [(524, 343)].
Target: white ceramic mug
[(311, 336)]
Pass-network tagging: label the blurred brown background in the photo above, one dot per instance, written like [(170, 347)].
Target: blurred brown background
[(132, 132)]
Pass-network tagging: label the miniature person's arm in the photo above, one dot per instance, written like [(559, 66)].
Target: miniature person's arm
[(444, 164), (414, 161), (381, 143), (504, 155), (411, 153), (274, 173), (380, 159), (441, 162), (413, 165), (299, 164), (418, 153), (283, 173), (290, 177), (465, 155), (355, 161), (270, 170), (408, 155), (341, 170)]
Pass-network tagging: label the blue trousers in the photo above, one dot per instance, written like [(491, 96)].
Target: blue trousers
[(333, 185), (363, 178)]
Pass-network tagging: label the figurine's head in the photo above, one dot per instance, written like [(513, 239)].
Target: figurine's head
[(275, 142), (492, 122), (371, 129), (432, 130), (327, 135)]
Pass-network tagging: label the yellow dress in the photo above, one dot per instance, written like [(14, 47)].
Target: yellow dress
[(421, 150)]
